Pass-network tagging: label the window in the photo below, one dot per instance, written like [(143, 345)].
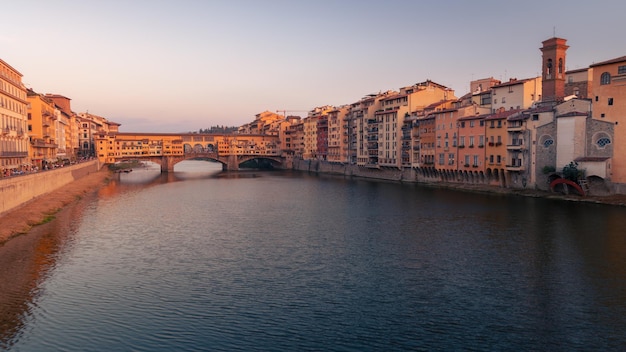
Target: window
[(503, 100), (547, 143), (549, 68), (491, 159), (467, 159), (475, 160), (602, 139), (610, 101), (441, 156), (498, 159), (472, 123), (535, 117), (605, 78), (621, 70)]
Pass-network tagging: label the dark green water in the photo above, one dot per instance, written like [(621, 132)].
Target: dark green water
[(273, 261)]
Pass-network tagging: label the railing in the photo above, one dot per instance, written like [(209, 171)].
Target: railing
[(7, 154)]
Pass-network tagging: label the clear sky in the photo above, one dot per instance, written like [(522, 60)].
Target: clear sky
[(182, 65)]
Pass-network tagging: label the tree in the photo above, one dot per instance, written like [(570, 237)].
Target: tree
[(572, 173)]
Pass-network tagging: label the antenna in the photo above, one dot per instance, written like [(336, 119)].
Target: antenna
[(554, 31)]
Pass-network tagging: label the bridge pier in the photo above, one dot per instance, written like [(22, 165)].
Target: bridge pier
[(167, 163), (232, 164)]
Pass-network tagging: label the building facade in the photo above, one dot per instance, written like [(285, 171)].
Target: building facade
[(14, 143)]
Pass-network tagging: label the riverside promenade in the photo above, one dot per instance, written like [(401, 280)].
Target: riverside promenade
[(20, 219)]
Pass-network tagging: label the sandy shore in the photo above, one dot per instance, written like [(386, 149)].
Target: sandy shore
[(20, 220)]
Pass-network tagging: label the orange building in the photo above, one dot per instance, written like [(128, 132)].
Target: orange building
[(608, 95), (471, 149), (496, 146)]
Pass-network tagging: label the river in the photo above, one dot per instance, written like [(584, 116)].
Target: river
[(200, 260)]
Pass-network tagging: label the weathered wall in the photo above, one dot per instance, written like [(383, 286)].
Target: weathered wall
[(15, 191), (392, 174)]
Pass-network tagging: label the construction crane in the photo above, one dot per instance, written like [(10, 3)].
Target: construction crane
[(286, 111)]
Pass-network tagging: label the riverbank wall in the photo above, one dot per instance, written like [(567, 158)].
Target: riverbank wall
[(388, 174), (18, 190)]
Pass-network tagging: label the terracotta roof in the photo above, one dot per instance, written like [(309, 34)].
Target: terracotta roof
[(474, 117), (573, 113), (540, 109), (512, 82), (576, 71), (502, 115), (395, 96), (445, 110), (608, 62), (519, 116)]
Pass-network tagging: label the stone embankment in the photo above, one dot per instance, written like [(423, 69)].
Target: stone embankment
[(49, 192), (409, 176)]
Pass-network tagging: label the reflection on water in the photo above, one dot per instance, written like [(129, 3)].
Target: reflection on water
[(25, 262), (288, 261)]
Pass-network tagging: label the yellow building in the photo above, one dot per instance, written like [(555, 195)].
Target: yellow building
[(516, 94), (42, 130), (309, 147), (496, 138), (63, 104), (13, 121), (338, 135), (390, 119)]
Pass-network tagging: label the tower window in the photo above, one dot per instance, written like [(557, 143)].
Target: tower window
[(549, 68), (605, 78)]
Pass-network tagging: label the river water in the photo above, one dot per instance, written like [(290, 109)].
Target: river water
[(200, 260)]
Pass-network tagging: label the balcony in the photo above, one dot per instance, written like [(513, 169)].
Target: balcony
[(515, 126), (516, 144), (8, 154), (516, 165)]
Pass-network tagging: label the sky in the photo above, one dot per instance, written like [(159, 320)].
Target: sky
[(184, 65)]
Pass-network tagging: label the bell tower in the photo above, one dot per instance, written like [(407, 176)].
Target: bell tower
[(553, 68)]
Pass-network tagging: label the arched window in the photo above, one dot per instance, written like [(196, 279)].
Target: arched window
[(546, 141), (602, 140), (560, 65), (549, 67), (605, 78)]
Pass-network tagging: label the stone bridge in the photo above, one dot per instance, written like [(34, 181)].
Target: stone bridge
[(229, 162), (168, 149)]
